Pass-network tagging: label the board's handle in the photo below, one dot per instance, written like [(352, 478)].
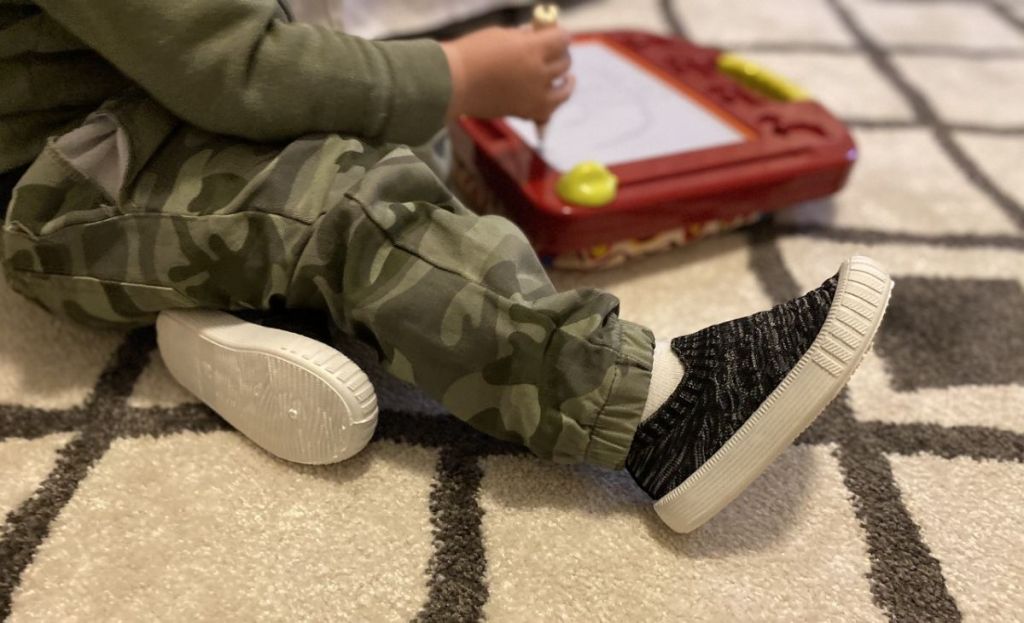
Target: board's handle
[(760, 79)]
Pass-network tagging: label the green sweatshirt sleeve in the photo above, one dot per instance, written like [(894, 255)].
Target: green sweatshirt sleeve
[(233, 67)]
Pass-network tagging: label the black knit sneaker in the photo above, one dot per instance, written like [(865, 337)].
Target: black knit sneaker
[(749, 387)]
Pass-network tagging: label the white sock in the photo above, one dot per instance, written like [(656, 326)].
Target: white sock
[(666, 373)]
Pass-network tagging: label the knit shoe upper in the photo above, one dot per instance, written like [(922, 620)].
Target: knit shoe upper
[(729, 370)]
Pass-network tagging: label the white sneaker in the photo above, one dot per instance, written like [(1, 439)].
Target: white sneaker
[(293, 396)]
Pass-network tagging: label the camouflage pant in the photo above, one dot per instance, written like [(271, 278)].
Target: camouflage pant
[(136, 212)]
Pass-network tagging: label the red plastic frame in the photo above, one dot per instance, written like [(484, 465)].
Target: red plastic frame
[(795, 151)]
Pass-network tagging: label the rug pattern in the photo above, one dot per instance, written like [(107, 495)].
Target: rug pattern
[(126, 500)]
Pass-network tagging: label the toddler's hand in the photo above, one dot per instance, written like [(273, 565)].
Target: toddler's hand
[(510, 71)]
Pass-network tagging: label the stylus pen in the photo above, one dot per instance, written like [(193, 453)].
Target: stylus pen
[(545, 15)]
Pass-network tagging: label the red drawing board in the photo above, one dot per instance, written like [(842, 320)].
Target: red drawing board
[(759, 147)]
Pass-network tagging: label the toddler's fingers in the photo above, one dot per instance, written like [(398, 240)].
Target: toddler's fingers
[(559, 67), (563, 91), (554, 42)]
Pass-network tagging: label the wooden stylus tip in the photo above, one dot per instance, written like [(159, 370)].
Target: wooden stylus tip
[(545, 14)]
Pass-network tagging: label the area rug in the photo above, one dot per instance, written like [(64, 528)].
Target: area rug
[(124, 500)]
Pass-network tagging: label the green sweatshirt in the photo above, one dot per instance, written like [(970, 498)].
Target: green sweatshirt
[(237, 67)]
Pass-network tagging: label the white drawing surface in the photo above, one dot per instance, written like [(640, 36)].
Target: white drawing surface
[(620, 113)]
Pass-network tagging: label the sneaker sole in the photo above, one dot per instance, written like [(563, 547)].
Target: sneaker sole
[(862, 295), (297, 398)]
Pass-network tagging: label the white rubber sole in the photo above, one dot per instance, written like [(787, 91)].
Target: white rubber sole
[(297, 398), (857, 309)]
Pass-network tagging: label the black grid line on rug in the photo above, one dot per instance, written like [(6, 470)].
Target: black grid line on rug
[(924, 113), (904, 575), (838, 49), (1003, 12), (902, 567), (672, 18), (903, 124), (932, 1), (906, 579), (458, 567), (880, 58), (456, 570), (26, 527), (876, 236)]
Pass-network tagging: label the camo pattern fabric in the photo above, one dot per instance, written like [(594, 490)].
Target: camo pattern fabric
[(456, 303)]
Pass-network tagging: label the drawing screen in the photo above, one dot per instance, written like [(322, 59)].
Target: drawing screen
[(621, 113)]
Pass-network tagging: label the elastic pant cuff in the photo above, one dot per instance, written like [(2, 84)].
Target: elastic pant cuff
[(617, 423)]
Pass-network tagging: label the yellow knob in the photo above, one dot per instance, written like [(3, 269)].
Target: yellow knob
[(588, 184)]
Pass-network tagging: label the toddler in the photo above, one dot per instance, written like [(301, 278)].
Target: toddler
[(214, 155)]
